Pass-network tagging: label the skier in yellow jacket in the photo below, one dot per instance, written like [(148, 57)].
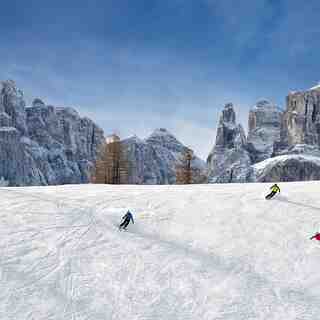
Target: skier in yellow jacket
[(274, 189)]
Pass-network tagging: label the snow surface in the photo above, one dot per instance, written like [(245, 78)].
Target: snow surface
[(8, 129), (208, 252)]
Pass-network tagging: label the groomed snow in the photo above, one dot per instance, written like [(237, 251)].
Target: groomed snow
[(207, 252)]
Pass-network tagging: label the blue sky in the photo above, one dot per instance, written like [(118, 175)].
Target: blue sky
[(133, 66)]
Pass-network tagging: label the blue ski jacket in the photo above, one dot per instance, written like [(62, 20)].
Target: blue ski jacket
[(129, 216)]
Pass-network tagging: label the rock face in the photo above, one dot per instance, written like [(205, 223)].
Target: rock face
[(281, 146), (287, 168), (143, 162), (301, 122), (229, 161), (13, 165), (12, 107), (264, 130), (44, 145), (154, 160), (298, 151)]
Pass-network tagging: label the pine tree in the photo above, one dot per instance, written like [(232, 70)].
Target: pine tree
[(184, 169), (112, 164)]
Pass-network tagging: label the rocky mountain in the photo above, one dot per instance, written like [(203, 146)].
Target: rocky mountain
[(297, 154), (154, 160), (44, 145), (229, 160), (300, 125), (263, 130), (143, 162), (281, 146)]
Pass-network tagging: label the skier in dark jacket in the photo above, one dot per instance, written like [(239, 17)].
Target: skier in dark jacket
[(126, 220), (274, 189)]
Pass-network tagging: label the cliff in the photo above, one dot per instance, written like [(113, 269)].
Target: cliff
[(154, 159), (44, 145), (300, 123), (263, 130), (229, 160), (281, 146)]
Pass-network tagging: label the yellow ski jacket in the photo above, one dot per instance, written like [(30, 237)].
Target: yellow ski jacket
[(275, 188)]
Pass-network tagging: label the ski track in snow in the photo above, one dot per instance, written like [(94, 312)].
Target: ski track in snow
[(212, 252)]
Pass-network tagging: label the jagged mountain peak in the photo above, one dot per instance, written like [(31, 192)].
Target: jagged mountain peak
[(263, 103), (228, 105), (228, 114), (9, 84), (38, 103), (266, 106), (133, 139), (9, 88), (154, 159), (228, 161), (162, 137), (161, 132), (45, 145), (12, 106)]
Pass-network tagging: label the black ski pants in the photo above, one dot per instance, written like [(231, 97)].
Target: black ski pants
[(125, 223), (270, 195)]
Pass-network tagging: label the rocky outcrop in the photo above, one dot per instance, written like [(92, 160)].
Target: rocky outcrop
[(44, 145), (12, 107), (13, 158), (264, 130), (297, 154), (154, 160), (287, 168), (282, 146), (300, 123), (229, 161), (143, 162)]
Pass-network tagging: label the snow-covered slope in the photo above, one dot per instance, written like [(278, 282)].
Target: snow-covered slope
[(202, 252)]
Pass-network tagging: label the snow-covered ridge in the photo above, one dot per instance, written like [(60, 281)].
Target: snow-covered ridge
[(270, 162), (295, 167), (317, 87)]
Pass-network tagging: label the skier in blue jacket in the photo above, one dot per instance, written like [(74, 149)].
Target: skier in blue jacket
[(126, 220)]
